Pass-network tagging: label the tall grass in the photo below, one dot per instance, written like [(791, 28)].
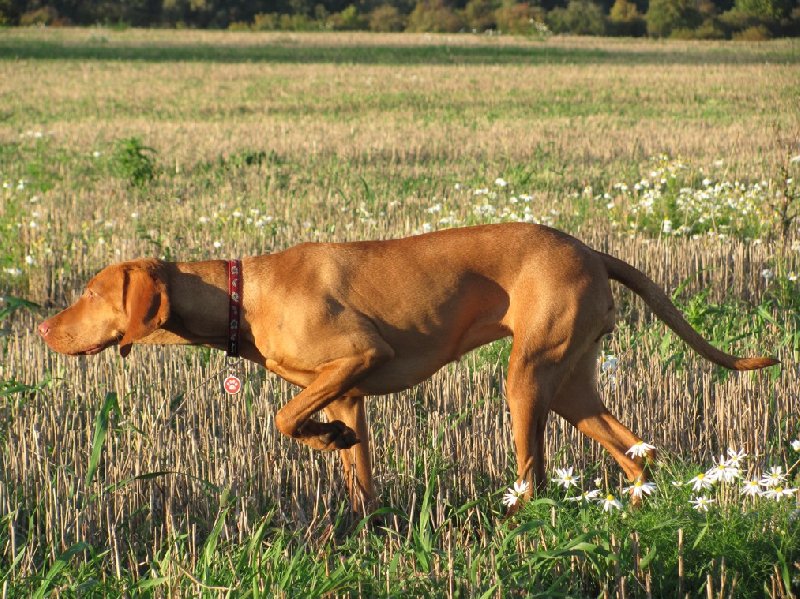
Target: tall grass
[(141, 477)]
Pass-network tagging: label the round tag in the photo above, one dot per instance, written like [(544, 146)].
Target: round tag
[(232, 384)]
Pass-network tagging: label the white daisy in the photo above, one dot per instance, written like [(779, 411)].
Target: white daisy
[(773, 478), (565, 478), (639, 488), (610, 503), (513, 495), (751, 488), (701, 503), (700, 482), (640, 449), (586, 496)]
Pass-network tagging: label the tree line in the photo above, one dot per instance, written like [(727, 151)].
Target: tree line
[(688, 19)]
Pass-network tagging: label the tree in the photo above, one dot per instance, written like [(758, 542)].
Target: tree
[(434, 16), (666, 16), (625, 19), (581, 17)]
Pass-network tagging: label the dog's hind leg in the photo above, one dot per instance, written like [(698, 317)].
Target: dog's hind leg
[(530, 388), (579, 402), (356, 461)]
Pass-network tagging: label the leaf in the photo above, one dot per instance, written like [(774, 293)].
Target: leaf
[(701, 535), (645, 561), (12, 304), (100, 431), (60, 563)]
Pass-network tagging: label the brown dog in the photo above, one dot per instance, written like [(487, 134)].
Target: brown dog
[(368, 318)]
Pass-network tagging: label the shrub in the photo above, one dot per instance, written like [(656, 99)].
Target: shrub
[(521, 19), (347, 20), (664, 16), (133, 161), (581, 17), (47, 15), (625, 19), (264, 21), (434, 16), (754, 33), (480, 14), (386, 18)]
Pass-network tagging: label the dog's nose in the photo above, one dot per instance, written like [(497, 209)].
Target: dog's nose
[(44, 328)]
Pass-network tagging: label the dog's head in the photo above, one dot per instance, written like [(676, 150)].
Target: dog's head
[(122, 304)]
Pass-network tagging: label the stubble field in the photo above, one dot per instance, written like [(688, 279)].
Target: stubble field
[(682, 159)]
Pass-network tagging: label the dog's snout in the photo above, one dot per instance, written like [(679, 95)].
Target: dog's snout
[(44, 328)]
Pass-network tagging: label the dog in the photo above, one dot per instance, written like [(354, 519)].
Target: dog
[(348, 320)]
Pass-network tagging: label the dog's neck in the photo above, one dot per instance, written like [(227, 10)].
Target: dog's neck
[(198, 313)]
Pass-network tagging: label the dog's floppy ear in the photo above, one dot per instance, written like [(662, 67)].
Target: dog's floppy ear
[(144, 297)]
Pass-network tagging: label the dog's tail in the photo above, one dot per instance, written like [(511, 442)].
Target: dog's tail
[(661, 305)]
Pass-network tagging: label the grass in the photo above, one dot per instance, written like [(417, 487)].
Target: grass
[(139, 478)]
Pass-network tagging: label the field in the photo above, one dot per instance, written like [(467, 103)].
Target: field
[(140, 477)]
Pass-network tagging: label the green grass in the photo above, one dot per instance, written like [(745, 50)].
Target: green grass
[(550, 548)]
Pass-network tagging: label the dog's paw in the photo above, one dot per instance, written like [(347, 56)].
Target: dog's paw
[(340, 436), (328, 436)]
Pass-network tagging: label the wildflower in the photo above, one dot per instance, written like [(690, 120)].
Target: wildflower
[(701, 503), (586, 496), (751, 488), (609, 364), (773, 478), (795, 159), (795, 444), (203, 220), (640, 449), (14, 272), (610, 503), (700, 482), (723, 471), (217, 244), (639, 488), (792, 276), (666, 226), (777, 492), (500, 182), (565, 478), (598, 482), (767, 274), (735, 457), (29, 260), (513, 495)]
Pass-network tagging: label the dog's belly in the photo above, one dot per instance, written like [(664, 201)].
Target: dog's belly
[(408, 369)]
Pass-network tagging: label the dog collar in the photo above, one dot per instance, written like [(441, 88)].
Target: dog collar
[(234, 306)]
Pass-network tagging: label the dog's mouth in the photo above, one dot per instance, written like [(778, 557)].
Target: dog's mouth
[(97, 347)]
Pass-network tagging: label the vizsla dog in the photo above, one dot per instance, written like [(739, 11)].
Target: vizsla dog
[(346, 320)]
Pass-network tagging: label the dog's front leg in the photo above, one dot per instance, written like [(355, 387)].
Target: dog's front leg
[(334, 380), (356, 461)]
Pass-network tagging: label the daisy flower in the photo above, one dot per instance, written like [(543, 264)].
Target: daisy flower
[(610, 503), (640, 449), (701, 481), (639, 488), (795, 444), (586, 496), (735, 457), (723, 471), (513, 495), (565, 478), (751, 488), (777, 492), (773, 478), (701, 503)]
